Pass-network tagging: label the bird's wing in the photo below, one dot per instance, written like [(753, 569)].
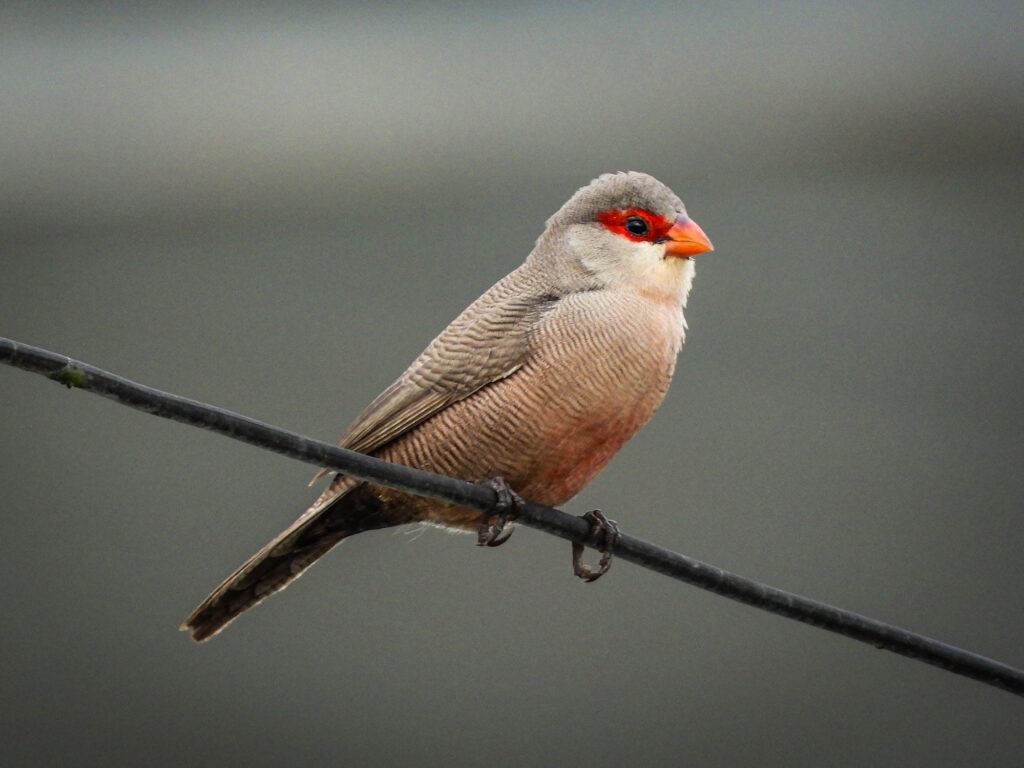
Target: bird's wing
[(486, 343)]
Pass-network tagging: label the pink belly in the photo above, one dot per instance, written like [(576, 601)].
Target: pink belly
[(574, 457)]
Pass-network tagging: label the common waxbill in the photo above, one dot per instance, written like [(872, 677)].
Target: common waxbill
[(540, 381)]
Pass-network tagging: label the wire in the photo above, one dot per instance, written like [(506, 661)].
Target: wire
[(78, 375)]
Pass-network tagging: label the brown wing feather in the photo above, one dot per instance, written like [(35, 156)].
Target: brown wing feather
[(486, 343)]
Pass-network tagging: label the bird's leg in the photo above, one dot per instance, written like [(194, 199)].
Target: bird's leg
[(598, 522), (506, 509)]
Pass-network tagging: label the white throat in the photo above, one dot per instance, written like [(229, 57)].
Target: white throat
[(644, 267)]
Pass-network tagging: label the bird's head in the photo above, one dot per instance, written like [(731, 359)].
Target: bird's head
[(625, 230)]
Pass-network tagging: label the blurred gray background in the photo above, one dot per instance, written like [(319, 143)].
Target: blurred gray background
[(274, 209)]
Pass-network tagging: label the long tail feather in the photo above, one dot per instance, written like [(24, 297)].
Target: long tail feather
[(334, 517)]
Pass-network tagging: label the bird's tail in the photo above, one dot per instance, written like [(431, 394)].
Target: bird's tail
[(334, 517)]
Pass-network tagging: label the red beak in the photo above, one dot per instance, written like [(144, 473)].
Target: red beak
[(686, 239)]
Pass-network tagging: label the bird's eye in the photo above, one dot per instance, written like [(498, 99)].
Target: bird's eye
[(637, 226)]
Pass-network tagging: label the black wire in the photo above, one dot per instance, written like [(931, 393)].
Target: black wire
[(75, 374)]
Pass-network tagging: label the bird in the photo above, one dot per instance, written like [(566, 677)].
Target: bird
[(533, 388)]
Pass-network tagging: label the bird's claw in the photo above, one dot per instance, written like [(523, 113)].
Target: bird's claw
[(505, 509), (598, 523)]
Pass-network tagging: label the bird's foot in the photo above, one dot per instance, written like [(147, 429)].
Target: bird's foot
[(506, 509), (598, 523)]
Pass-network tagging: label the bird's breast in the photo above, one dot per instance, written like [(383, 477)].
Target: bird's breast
[(602, 369), (598, 368)]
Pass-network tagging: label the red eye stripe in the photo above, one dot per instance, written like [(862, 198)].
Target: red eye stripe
[(617, 221)]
